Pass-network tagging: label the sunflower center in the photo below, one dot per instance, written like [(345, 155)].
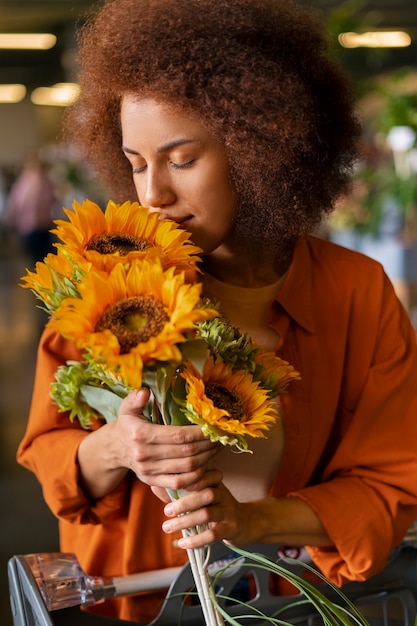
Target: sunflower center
[(225, 399), (109, 243), (133, 321)]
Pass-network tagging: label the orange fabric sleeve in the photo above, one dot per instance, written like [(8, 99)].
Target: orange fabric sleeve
[(51, 441), (365, 491)]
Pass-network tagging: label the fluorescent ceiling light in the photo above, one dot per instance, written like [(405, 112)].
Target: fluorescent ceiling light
[(375, 39), (61, 95), (27, 41), (11, 94)]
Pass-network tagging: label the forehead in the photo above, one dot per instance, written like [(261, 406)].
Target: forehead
[(152, 119)]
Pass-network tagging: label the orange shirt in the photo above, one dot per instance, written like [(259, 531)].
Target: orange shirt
[(351, 431)]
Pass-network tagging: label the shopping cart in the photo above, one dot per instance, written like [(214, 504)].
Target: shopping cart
[(388, 599)]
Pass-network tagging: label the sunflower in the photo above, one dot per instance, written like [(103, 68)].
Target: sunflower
[(55, 278), (131, 317), (274, 373), (124, 232), (227, 343), (228, 404)]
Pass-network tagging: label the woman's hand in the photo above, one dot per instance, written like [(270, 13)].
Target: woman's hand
[(177, 458), (171, 457), (211, 503), (282, 521)]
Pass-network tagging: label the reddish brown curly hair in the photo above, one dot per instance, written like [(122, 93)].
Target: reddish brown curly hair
[(258, 74)]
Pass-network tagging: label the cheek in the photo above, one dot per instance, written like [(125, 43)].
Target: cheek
[(219, 226)]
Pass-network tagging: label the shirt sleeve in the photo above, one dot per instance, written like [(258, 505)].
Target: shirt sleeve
[(368, 488), (50, 444)]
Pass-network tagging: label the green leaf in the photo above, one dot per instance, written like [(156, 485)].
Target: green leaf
[(177, 416), (102, 400), (333, 614), (195, 351)]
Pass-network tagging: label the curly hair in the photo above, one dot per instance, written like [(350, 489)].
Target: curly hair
[(259, 76)]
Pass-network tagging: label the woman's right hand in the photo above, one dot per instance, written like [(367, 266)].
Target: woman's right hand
[(173, 457)]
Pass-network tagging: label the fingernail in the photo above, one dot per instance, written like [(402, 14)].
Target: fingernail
[(166, 527), (169, 510)]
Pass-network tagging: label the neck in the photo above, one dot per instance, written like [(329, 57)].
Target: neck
[(244, 270)]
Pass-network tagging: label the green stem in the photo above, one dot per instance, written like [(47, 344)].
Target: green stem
[(198, 564)]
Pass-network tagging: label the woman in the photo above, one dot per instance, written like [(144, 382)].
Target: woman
[(231, 120)]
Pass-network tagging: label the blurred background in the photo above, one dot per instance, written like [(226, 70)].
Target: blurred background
[(376, 41)]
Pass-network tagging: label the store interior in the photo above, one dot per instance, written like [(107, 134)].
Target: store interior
[(378, 218)]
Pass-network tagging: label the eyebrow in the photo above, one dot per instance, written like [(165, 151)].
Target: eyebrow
[(166, 147)]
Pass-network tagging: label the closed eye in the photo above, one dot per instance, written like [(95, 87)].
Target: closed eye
[(138, 170), (183, 166), (176, 166)]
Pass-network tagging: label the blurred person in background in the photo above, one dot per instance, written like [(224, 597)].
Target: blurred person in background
[(30, 208)]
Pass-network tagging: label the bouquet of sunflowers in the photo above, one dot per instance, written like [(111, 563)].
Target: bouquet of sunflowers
[(123, 287)]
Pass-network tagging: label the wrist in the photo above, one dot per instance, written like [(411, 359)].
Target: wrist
[(101, 468), (264, 520), (285, 521)]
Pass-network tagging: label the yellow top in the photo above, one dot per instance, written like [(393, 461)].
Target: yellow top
[(248, 308), (249, 476)]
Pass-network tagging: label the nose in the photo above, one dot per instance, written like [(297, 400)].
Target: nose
[(156, 190)]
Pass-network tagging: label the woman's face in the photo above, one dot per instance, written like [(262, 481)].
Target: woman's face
[(179, 169)]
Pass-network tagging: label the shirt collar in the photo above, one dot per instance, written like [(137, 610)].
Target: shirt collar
[(295, 296)]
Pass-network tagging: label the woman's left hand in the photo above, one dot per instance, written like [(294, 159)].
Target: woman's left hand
[(211, 503), (278, 520)]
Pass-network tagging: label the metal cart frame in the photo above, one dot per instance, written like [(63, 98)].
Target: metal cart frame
[(388, 599)]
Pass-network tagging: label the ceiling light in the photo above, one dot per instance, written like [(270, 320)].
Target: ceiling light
[(61, 95), (11, 94), (375, 39), (27, 41)]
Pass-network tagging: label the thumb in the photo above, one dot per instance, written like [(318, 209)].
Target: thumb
[(135, 402)]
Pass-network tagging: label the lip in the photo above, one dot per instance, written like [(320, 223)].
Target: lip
[(179, 220)]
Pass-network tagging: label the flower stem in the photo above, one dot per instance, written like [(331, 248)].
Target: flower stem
[(198, 564), (203, 583)]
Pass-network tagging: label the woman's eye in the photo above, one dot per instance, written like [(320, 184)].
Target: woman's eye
[(138, 170), (184, 165)]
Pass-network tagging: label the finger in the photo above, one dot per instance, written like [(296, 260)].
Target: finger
[(182, 435), (209, 533), (210, 478), (205, 537), (134, 403), (153, 456), (161, 493), (174, 481), (191, 436), (191, 540), (185, 521), (195, 502), (187, 525)]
